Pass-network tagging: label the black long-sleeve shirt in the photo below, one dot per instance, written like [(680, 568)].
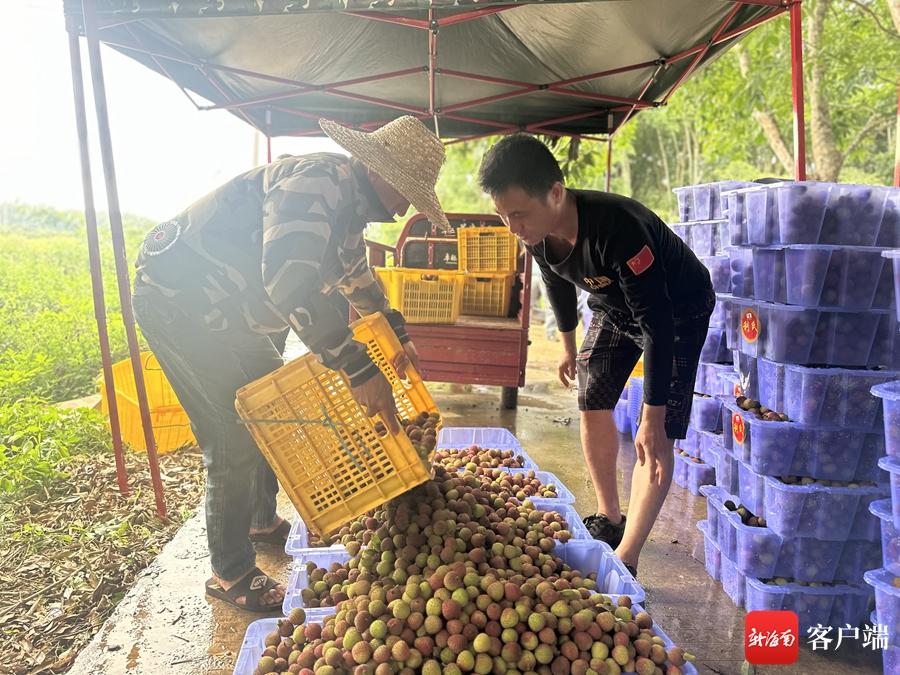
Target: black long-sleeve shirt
[(630, 261)]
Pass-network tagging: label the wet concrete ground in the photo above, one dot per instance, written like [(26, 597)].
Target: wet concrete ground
[(166, 626)]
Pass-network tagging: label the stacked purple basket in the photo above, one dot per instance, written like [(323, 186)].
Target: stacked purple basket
[(813, 328), (704, 227), (886, 580)]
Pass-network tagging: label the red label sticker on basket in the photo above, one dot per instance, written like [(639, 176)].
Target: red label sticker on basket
[(750, 325), (737, 389), (642, 261), (771, 638), (737, 428)]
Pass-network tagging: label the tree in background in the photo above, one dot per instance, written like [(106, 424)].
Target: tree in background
[(734, 118)]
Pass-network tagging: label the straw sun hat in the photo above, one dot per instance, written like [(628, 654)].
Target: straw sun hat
[(405, 154)]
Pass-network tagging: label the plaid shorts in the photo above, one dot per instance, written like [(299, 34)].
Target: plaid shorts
[(612, 347)]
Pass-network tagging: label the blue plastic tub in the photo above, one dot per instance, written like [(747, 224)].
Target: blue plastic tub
[(712, 559), (887, 602), (454, 438), (706, 200), (719, 316), (706, 413), (740, 268), (889, 393), (838, 605), (894, 257), (592, 555), (621, 418), (682, 231), (794, 449), (746, 368), (692, 475), (769, 274), (799, 335), (761, 207), (727, 471), (563, 494), (715, 349), (890, 534), (827, 513), (836, 396), (253, 644), (719, 272), (849, 277), (297, 544), (711, 445), (704, 236), (298, 581), (759, 552), (892, 466), (635, 402), (736, 215), (829, 213), (708, 377), (771, 379)]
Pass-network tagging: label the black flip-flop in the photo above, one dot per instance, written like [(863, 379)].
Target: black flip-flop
[(252, 588), (277, 537)]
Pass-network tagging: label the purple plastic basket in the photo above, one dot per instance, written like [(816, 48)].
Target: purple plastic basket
[(740, 267), (727, 471), (719, 272), (683, 232), (712, 558), (850, 277), (892, 466), (838, 605), (894, 257), (794, 449), (706, 414), (759, 552), (887, 602), (769, 274), (827, 513), (715, 349), (621, 418), (719, 316), (704, 237), (692, 475), (745, 366), (770, 379), (836, 396), (762, 216), (889, 393), (799, 335), (890, 534), (708, 381), (736, 216)]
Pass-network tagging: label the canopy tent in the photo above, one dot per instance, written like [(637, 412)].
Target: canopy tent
[(470, 69)]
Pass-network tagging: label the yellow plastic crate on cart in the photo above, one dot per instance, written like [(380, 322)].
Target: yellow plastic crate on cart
[(487, 249), (638, 369), (171, 426), (423, 296), (338, 466), (487, 293)]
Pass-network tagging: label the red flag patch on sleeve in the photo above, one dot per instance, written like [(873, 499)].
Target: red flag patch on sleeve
[(642, 261)]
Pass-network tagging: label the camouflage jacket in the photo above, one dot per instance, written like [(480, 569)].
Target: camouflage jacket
[(265, 250)]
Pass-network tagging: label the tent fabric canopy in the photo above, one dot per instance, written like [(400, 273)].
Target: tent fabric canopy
[(567, 68)]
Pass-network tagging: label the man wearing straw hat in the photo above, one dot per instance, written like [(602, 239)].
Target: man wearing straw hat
[(266, 251)]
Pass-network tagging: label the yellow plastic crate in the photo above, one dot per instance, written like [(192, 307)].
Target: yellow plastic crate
[(487, 293), (338, 467), (487, 249), (423, 296), (638, 369), (170, 423)]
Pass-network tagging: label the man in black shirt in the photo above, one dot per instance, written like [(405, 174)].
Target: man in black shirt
[(649, 293)]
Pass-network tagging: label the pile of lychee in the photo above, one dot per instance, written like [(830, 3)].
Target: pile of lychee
[(760, 411), (452, 578), (475, 457)]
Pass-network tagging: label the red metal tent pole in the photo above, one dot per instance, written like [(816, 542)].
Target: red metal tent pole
[(608, 163), (797, 90), (118, 242), (90, 218)]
